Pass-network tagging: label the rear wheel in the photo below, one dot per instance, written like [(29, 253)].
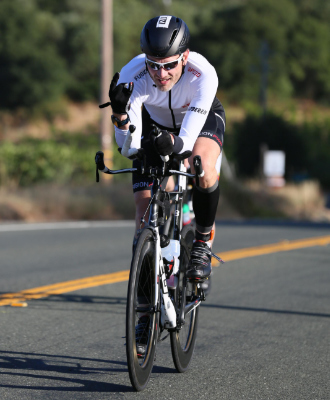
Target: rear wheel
[(183, 340), (141, 315)]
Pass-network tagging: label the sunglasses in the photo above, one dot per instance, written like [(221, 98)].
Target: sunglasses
[(167, 66)]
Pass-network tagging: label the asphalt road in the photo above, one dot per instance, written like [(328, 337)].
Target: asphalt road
[(264, 330)]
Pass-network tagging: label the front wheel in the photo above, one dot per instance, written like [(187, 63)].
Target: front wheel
[(141, 314), (183, 339)]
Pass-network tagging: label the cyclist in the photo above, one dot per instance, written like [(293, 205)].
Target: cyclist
[(175, 89)]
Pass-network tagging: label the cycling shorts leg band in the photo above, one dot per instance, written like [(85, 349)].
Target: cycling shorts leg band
[(205, 203)]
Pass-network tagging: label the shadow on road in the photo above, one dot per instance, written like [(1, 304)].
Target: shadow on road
[(63, 373), (75, 298), (71, 373), (267, 310)]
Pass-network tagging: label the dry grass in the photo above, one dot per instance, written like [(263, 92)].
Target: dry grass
[(85, 117), (62, 203), (81, 118), (303, 201), (115, 201)]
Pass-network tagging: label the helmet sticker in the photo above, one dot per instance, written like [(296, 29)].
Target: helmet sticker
[(163, 21)]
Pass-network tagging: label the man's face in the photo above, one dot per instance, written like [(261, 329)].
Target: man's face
[(163, 79)]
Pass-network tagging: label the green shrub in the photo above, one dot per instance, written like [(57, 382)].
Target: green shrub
[(63, 159), (36, 161), (307, 147), (317, 140), (276, 134)]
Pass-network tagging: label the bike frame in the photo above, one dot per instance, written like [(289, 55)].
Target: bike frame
[(177, 197)]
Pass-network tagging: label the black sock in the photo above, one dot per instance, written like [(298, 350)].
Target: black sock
[(205, 237), (205, 203)]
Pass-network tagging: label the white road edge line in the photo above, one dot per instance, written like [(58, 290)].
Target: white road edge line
[(20, 227)]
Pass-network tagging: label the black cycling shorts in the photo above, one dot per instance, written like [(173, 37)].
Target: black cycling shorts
[(213, 129)]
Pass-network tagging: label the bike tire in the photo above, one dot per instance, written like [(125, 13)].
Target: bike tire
[(142, 283), (183, 340)]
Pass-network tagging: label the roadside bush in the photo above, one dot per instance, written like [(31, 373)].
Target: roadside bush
[(39, 161), (307, 147), (276, 134), (64, 159), (317, 140)]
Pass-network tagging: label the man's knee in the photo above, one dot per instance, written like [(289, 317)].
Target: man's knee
[(209, 152)]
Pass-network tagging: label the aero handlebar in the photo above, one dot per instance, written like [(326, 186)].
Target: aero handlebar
[(144, 169)]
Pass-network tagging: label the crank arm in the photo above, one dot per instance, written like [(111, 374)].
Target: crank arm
[(217, 258), (191, 306)]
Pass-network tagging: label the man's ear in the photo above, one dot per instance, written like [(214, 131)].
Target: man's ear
[(185, 57)]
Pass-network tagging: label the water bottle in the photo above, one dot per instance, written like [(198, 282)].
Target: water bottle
[(171, 253), (186, 220)]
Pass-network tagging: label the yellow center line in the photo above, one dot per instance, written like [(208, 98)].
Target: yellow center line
[(122, 276), (63, 287), (285, 245)]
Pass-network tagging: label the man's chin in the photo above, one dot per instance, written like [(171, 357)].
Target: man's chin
[(164, 88)]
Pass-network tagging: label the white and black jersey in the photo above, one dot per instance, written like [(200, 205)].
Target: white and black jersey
[(184, 108)]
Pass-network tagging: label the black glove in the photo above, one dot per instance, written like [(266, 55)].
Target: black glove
[(162, 142), (120, 95)]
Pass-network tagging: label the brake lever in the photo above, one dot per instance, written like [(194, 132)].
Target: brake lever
[(99, 161), (199, 172)]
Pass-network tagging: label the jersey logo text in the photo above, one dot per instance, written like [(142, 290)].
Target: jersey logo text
[(213, 136), (194, 72), (141, 74), (198, 110), (141, 185)]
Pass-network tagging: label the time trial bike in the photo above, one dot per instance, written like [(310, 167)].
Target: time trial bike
[(161, 301)]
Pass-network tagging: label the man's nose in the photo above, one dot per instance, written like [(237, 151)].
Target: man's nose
[(161, 72)]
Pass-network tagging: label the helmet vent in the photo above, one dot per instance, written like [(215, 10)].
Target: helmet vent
[(173, 36)]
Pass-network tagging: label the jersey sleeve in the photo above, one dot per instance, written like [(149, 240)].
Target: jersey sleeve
[(204, 91)]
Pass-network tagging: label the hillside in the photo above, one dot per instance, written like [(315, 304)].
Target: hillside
[(87, 200)]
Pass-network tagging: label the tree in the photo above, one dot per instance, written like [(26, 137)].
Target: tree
[(31, 70), (297, 34), (233, 45), (309, 60)]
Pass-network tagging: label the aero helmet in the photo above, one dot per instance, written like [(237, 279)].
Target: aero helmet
[(164, 36)]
